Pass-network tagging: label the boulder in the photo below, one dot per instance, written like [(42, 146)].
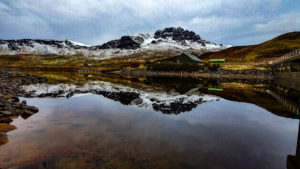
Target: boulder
[(32, 109), (24, 102), (5, 120), (6, 113)]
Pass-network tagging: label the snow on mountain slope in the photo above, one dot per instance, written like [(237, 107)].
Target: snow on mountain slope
[(166, 44), (162, 40), (79, 44)]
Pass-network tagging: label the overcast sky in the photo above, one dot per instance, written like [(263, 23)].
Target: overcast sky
[(235, 22)]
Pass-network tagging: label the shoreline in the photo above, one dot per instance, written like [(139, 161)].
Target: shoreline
[(225, 74), (210, 75)]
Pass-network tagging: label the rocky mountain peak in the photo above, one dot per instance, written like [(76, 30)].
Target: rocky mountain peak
[(126, 42), (177, 34)]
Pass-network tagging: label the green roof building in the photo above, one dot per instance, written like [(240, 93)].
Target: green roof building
[(217, 61)]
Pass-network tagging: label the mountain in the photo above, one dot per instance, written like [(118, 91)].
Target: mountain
[(162, 40), (265, 51)]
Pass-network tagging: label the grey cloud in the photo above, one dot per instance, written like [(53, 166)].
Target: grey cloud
[(282, 23), (96, 21)]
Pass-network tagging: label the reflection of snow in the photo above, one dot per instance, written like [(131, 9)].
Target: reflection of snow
[(143, 98), (79, 95)]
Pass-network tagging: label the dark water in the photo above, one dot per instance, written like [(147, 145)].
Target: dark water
[(234, 128)]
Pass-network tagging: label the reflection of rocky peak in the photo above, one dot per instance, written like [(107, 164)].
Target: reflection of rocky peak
[(168, 103), (177, 106), (125, 98)]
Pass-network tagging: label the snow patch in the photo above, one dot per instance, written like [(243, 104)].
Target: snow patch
[(79, 44), (146, 98)]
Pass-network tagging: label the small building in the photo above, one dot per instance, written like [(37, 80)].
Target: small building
[(187, 58), (183, 58), (217, 61)]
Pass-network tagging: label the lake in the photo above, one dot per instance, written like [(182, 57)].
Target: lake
[(112, 122)]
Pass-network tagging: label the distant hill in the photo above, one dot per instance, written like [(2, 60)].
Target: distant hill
[(265, 51)]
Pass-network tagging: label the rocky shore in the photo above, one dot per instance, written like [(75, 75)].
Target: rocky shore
[(10, 90)]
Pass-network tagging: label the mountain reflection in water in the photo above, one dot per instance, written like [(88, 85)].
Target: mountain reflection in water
[(155, 123), (170, 102)]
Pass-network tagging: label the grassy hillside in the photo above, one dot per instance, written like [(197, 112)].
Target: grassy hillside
[(55, 62), (265, 51), (234, 54)]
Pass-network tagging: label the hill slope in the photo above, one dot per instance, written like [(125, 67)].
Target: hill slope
[(265, 51)]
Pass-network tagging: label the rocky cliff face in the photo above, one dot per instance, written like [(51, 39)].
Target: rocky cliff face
[(126, 42), (180, 35), (177, 34)]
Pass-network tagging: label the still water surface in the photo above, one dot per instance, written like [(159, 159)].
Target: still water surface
[(95, 131)]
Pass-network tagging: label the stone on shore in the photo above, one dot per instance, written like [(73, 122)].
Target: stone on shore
[(10, 90)]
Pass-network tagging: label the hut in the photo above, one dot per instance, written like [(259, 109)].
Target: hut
[(187, 58), (183, 59)]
